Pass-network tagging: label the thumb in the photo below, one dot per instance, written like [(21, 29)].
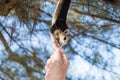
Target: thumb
[(57, 56), (56, 47), (58, 53)]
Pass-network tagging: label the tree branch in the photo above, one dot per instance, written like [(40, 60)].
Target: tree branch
[(87, 59), (97, 16), (101, 40), (21, 60)]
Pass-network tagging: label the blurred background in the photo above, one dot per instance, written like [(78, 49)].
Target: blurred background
[(25, 43)]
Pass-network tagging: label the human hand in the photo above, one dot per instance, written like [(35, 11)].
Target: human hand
[(57, 65)]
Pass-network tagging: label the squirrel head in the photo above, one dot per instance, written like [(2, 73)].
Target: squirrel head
[(60, 37)]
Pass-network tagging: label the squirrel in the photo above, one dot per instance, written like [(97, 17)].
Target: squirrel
[(59, 30)]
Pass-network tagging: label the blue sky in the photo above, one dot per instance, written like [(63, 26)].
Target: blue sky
[(80, 68)]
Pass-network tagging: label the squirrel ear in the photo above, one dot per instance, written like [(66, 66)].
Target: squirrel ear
[(66, 31)]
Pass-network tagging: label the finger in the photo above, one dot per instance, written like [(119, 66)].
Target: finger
[(48, 65), (49, 61), (65, 59), (46, 68), (63, 56), (56, 47), (58, 57), (59, 54)]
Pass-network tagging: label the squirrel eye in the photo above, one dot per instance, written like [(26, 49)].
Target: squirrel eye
[(64, 38)]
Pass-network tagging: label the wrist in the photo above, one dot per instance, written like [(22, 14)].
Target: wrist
[(55, 78), (60, 78)]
